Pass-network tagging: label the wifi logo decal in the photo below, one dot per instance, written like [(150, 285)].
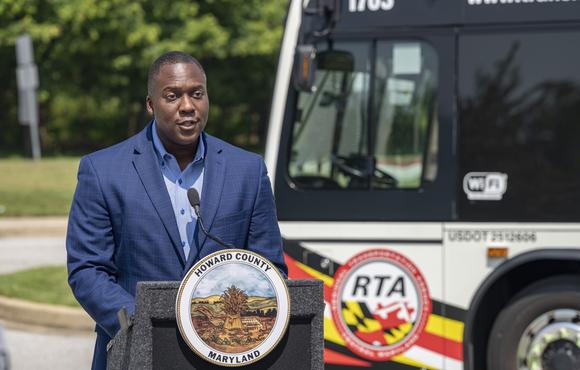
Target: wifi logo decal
[(485, 185)]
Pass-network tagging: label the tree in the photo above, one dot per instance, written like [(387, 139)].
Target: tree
[(94, 56)]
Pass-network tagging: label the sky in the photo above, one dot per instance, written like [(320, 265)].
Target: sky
[(248, 278)]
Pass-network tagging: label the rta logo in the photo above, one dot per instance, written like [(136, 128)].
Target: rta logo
[(485, 185), (375, 284), (380, 304)]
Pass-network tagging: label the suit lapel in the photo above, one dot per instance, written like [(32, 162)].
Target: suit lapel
[(147, 167), (214, 174)]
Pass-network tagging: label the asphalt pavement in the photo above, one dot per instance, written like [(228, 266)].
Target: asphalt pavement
[(29, 243)]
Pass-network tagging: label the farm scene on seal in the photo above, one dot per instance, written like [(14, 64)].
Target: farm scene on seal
[(240, 316)]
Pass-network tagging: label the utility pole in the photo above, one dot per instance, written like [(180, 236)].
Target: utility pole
[(27, 80)]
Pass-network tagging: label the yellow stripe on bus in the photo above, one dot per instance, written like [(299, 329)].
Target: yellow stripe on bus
[(444, 327), (435, 325), (331, 333)]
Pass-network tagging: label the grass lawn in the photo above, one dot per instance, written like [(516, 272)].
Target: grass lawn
[(45, 284), (43, 188)]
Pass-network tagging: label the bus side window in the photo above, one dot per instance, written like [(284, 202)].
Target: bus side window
[(519, 115)]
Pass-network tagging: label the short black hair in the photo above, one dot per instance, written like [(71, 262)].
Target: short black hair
[(172, 57)]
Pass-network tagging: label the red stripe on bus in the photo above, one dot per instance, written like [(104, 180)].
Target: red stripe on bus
[(331, 357), (295, 272), (446, 347)]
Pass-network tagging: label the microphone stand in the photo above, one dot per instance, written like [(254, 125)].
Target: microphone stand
[(215, 238)]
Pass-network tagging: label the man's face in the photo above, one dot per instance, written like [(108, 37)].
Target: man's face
[(180, 105)]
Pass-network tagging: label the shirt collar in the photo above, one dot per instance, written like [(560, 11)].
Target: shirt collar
[(162, 153)]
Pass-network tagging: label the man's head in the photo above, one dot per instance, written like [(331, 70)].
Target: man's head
[(172, 57), (178, 99)]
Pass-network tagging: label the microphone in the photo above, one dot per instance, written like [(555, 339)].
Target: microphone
[(193, 197)]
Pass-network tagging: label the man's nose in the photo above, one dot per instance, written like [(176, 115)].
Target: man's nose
[(187, 105)]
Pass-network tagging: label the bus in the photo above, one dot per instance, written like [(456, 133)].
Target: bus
[(425, 159)]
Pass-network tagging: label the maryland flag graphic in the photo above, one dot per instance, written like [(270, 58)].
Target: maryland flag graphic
[(386, 326), (380, 315)]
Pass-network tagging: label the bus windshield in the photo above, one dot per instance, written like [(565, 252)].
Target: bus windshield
[(370, 123)]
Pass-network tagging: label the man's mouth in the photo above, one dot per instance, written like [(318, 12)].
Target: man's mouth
[(187, 123)]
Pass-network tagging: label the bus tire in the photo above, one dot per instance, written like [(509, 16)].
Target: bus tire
[(529, 328)]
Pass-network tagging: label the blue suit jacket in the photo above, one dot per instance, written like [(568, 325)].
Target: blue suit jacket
[(122, 227)]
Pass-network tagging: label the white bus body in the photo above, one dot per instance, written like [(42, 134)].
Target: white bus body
[(431, 178)]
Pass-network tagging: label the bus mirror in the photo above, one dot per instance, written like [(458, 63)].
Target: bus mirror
[(305, 67), (333, 60), (307, 61)]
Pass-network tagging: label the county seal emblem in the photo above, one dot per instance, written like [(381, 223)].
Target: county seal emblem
[(233, 307)]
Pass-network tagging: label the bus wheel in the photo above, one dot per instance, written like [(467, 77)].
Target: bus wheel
[(538, 330)]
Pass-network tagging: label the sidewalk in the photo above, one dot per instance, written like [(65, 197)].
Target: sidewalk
[(33, 226), (30, 242), (41, 336)]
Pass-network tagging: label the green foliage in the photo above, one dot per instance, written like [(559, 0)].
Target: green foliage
[(94, 57), (45, 285), (43, 188)]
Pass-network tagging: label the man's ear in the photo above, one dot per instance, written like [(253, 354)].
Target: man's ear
[(149, 103)]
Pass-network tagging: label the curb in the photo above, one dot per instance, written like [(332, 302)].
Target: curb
[(39, 316), (33, 226), (23, 312)]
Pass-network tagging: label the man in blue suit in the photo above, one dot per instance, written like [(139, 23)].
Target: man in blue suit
[(130, 219)]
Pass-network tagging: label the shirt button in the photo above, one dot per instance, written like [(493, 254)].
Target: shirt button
[(182, 211), (163, 164), (180, 181), (183, 244), (168, 156)]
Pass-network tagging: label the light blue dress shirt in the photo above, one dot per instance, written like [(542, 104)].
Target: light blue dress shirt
[(178, 182)]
